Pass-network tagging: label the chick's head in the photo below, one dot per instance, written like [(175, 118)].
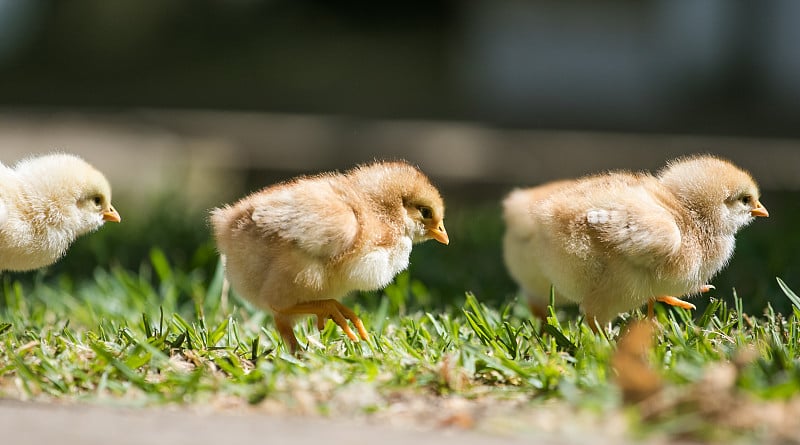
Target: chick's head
[(425, 210), (716, 190), (391, 182), (66, 191)]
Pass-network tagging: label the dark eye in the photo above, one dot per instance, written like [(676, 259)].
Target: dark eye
[(97, 200), (746, 199), (426, 212)]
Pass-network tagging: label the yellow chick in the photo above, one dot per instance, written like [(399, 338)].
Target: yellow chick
[(297, 247), (46, 203), (613, 242)]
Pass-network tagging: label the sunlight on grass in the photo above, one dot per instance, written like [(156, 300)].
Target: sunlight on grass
[(161, 335)]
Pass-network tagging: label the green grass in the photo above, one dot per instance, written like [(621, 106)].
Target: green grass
[(161, 335), (450, 344)]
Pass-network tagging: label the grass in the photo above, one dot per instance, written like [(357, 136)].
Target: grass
[(450, 345), (161, 335)]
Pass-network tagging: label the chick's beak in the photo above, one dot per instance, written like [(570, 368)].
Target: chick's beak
[(760, 210), (439, 233), (111, 215)]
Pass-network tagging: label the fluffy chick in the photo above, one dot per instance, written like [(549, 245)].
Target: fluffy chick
[(298, 247), (615, 241), (46, 203)]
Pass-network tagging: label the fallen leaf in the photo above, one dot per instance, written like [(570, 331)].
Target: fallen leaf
[(634, 375)]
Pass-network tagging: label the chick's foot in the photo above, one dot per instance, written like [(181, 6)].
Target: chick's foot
[(672, 301), (325, 309)]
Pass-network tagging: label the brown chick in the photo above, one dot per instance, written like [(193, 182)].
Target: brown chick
[(298, 247), (46, 203), (615, 241)]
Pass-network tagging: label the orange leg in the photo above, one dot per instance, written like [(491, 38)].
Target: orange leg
[(284, 325), (673, 301), (323, 309)]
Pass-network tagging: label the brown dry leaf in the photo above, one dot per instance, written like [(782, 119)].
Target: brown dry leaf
[(634, 375), (461, 420)]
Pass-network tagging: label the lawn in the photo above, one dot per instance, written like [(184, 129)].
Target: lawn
[(146, 326)]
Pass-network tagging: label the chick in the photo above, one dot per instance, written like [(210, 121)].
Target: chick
[(615, 241), (46, 203), (520, 259), (296, 248)]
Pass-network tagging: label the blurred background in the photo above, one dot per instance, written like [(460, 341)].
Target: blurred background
[(186, 105)]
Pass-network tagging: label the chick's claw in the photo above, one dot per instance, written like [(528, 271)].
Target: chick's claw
[(330, 309), (340, 314), (706, 288), (672, 301)]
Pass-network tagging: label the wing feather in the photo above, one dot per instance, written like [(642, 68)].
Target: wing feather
[(636, 226), (622, 215), (315, 214)]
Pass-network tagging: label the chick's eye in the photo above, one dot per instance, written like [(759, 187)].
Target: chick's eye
[(746, 199), (97, 200), (425, 212)]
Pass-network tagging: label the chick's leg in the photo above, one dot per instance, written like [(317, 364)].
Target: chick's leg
[(284, 325), (672, 301), (325, 309)]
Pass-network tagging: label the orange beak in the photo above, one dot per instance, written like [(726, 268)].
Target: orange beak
[(439, 234), (760, 210), (111, 215)]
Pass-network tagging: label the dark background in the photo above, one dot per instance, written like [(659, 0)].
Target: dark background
[(723, 67), (189, 104)]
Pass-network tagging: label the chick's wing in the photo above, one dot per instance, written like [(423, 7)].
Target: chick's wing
[(316, 215), (622, 219)]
